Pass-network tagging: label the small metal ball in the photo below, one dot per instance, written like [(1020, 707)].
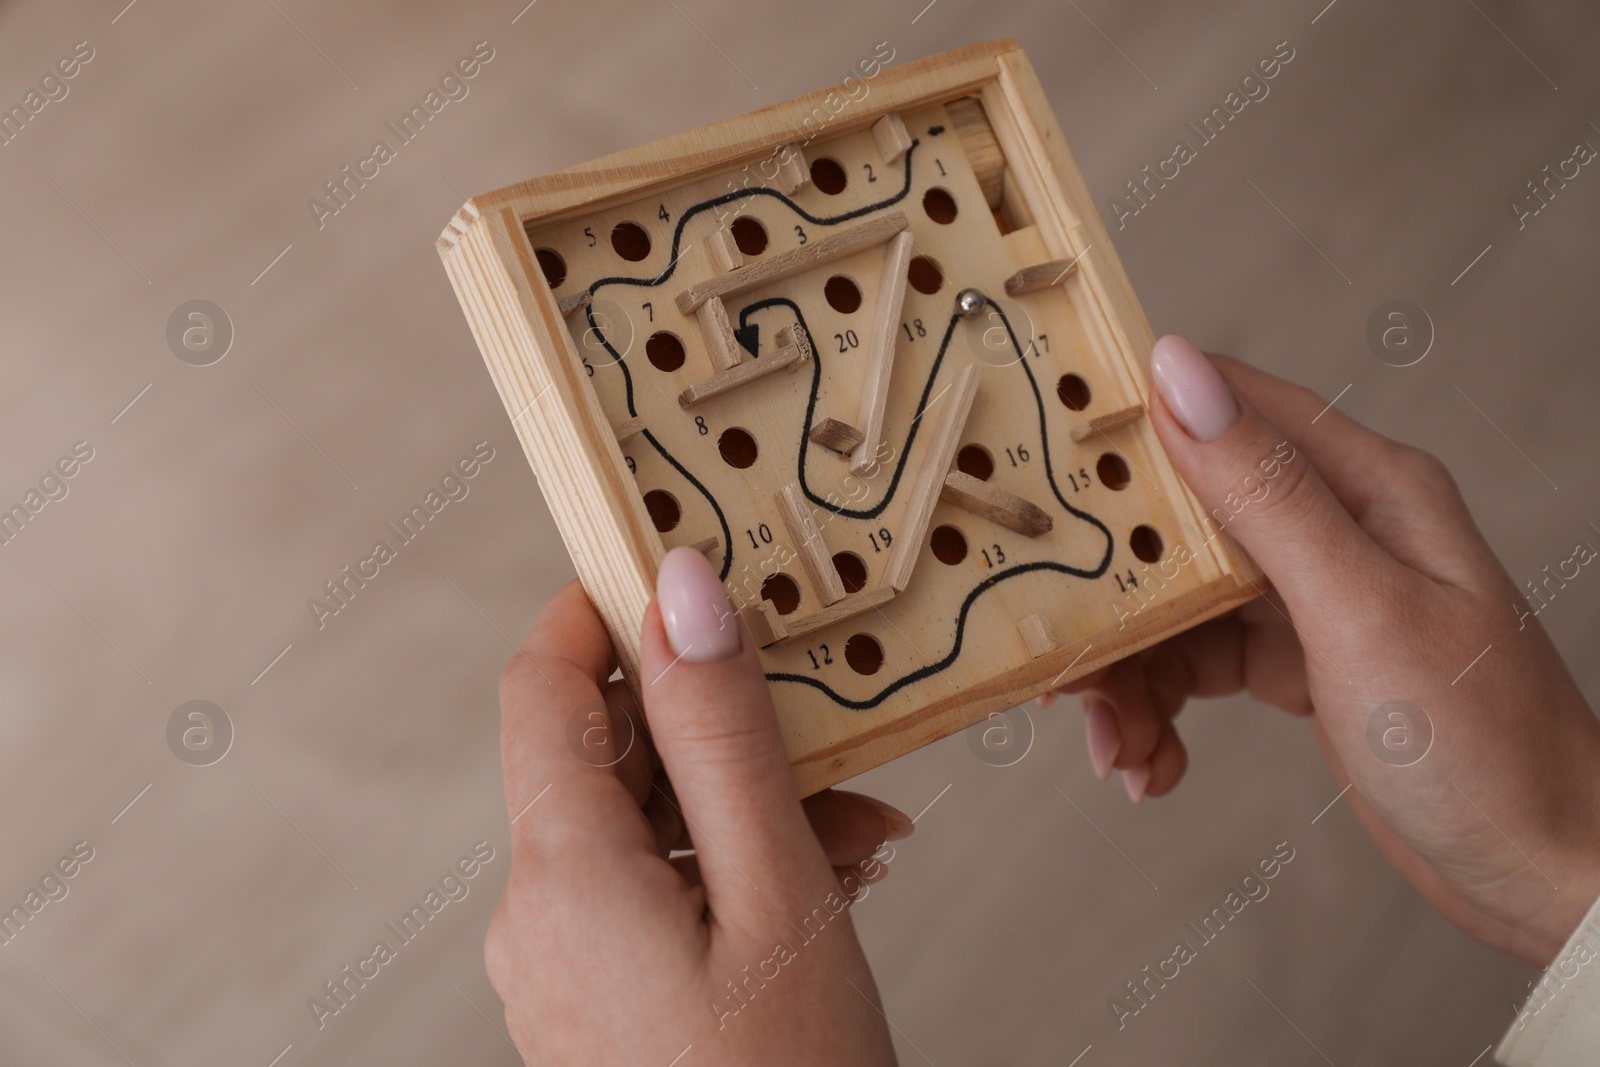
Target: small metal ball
[(970, 302)]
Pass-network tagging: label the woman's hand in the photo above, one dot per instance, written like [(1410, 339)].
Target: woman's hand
[(603, 948), (1385, 599)]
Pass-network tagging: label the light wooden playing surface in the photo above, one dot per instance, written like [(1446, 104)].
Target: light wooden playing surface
[(1005, 471)]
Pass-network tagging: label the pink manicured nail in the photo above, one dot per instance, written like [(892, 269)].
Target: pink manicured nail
[(701, 624), (897, 825), (1136, 780), (1105, 740), (1192, 388), (1044, 700)]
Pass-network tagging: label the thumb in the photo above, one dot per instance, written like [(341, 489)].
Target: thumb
[(713, 725), (1253, 482)]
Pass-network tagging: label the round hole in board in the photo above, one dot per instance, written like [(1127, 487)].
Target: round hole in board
[(1113, 471), (925, 275), (664, 350), (863, 653), (782, 591), (949, 545), (749, 235), (554, 267), (630, 241), (852, 571), (828, 175), (974, 460), (843, 294), (738, 447), (1146, 543), (1073, 391), (663, 508), (940, 205)]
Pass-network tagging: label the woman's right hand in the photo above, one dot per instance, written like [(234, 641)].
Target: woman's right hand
[(1385, 599)]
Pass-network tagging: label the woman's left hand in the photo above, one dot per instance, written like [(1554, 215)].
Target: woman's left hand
[(605, 949)]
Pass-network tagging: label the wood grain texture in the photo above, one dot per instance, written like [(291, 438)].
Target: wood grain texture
[(716, 469), (616, 178), (1040, 276), (957, 710), (792, 171), (807, 257), (848, 608), (751, 370), (836, 436), (1038, 163), (881, 342), (1111, 420), (792, 335), (764, 623), (929, 479), (564, 432), (716, 332), (977, 140), (1037, 634), (889, 134), (995, 504), (814, 555), (721, 251), (573, 303)]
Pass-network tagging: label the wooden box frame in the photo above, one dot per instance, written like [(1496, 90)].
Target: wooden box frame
[(573, 448)]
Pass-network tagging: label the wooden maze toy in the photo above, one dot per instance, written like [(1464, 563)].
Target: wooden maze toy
[(880, 363)]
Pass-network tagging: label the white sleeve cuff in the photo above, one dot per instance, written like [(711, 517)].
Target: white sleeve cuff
[(1559, 1026)]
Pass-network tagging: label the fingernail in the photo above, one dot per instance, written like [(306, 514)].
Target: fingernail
[(1192, 389), (1105, 740), (897, 825), (1136, 780), (1044, 700), (701, 624)]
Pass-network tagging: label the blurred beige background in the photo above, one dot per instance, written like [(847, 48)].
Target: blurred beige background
[(365, 761)]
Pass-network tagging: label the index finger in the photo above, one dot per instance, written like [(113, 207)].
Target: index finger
[(557, 789)]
